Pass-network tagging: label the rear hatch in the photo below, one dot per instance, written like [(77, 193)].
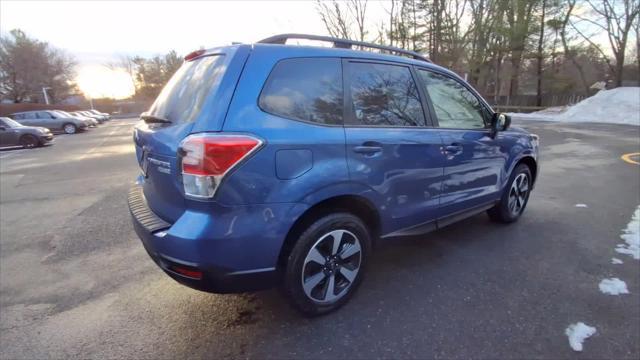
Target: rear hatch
[(198, 93)]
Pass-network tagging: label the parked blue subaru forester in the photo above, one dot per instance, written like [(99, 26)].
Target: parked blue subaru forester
[(271, 164)]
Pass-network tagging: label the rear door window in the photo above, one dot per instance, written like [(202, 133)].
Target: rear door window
[(184, 95), (384, 95), (307, 89)]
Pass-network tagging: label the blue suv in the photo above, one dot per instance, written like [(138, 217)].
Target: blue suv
[(271, 164)]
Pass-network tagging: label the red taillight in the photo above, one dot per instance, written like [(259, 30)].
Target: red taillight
[(195, 274), (206, 158), (194, 54)]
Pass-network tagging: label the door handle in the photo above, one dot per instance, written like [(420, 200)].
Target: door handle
[(368, 148), (453, 149), (364, 149)]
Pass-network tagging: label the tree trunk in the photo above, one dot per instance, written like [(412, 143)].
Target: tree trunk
[(540, 55), (516, 60)]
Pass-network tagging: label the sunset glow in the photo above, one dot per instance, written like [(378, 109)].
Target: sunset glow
[(100, 82)]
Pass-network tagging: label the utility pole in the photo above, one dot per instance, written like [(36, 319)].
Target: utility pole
[(44, 92)]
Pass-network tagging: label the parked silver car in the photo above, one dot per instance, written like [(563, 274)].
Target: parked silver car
[(94, 111), (51, 120), (78, 114), (99, 118), (90, 122), (12, 133)]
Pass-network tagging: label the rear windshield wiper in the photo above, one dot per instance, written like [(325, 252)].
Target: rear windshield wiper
[(151, 119)]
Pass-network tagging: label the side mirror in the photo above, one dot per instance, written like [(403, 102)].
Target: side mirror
[(500, 122)]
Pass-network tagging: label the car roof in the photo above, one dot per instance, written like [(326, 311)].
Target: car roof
[(292, 51)]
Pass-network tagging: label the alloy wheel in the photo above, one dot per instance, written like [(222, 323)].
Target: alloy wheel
[(331, 266), (518, 194), (69, 129)]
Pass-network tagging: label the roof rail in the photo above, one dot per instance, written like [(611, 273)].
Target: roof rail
[(341, 43)]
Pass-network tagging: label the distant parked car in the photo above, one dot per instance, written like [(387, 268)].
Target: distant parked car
[(94, 111), (12, 133), (92, 121), (99, 116), (50, 119)]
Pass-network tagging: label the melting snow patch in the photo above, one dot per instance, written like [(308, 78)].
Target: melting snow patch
[(616, 261), (631, 237), (581, 206), (613, 286), (622, 101), (578, 333)]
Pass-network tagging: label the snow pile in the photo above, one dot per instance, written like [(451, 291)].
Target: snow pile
[(631, 237), (613, 286), (616, 261), (578, 333), (616, 106)]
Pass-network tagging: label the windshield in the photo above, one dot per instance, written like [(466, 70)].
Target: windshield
[(63, 113), (11, 123), (183, 97)]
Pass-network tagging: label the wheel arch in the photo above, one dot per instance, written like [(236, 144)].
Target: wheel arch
[(28, 136), (354, 204), (532, 164)]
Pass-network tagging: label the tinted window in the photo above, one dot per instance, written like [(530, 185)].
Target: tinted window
[(18, 116), (44, 115), (183, 97), (385, 95), (455, 106), (305, 89)]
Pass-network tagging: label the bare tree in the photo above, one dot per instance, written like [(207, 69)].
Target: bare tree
[(358, 10), (27, 65), (564, 37), (334, 18), (616, 18), (519, 16)]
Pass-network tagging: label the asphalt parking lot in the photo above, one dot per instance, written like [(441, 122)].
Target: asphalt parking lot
[(76, 282)]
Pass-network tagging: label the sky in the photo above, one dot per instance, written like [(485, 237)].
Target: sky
[(97, 31)]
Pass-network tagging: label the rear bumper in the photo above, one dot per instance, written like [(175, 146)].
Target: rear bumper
[(246, 261)]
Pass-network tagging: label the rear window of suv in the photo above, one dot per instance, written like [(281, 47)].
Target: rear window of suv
[(307, 89), (184, 95)]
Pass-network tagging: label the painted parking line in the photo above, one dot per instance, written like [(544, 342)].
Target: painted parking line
[(629, 158)]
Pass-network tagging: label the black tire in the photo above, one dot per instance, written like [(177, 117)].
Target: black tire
[(69, 128), (29, 141), (506, 211), (352, 231)]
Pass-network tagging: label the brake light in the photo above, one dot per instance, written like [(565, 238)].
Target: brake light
[(194, 54), (207, 158)]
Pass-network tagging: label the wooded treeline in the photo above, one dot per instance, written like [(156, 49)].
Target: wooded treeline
[(507, 47)]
